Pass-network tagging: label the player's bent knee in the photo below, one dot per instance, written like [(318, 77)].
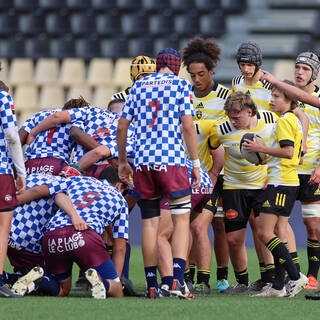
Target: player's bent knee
[(149, 208), (180, 207), (115, 289)]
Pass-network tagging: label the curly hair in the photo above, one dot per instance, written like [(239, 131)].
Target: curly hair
[(201, 50), (75, 103), (238, 101)]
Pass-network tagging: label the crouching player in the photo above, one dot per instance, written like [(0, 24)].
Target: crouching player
[(99, 204)]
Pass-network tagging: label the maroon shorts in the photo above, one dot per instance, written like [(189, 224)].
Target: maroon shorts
[(64, 246), (153, 181), (48, 165), (8, 199), (23, 259), (199, 198), (95, 170)]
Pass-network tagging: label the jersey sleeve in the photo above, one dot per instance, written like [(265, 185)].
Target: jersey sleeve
[(285, 132), (127, 111), (213, 137), (7, 113), (121, 223), (185, 99)]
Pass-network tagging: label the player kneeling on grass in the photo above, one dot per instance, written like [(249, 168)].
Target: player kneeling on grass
[(279, 197), (99, 204)]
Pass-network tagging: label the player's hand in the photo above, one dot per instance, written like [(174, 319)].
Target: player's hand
[(315, 176), (125, 171), (267, 76), (195, 177), (20, 184), (253, 146), (78, 223)]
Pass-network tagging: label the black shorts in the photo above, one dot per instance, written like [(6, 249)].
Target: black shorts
[(238, 204), (307, 193), (213, 203), (279, 200)]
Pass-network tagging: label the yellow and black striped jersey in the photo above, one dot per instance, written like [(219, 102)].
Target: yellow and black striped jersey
[(210, 106), (260, 92), (286, 132), (312, 157), (121, 94), (238, 172)]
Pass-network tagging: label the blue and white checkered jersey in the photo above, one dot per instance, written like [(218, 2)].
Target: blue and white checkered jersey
[(157, 103), (55, 142), (29, 220), (98, 203), (8, 120), (205, 179)]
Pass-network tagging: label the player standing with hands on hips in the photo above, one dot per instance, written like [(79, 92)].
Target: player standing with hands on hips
[(10, 152), (161, 107)]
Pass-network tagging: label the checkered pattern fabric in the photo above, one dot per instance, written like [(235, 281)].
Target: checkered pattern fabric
[(55, 142), (7, 120), (29, 220), (157, 103), (98, 203), (205, 179)]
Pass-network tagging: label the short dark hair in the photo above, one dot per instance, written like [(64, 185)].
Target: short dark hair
[(75, 103), (118, 100), (294, 103), (112, 176), (3, 86)]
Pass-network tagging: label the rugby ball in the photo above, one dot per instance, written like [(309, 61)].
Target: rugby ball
[(253, 157)]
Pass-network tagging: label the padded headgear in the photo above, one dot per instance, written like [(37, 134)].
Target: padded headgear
[(250, 52), (311, 60), (169, 58), (141, 64)]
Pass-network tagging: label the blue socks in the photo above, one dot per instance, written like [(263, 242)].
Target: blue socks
[(151, 276), (179, 266)]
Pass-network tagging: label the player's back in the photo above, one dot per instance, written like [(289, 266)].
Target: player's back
[(55, 142)]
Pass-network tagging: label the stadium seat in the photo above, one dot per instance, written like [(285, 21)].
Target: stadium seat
[(77, 5), (58, 23), (114, 48), (80, 90), (205, 6), (8, 23), (32, 23), (38, 47), (213, 25), (103, 5), (21, 71), (284, 69), (88, 48), (109, 23), (25, 6), (52, 5), (135, 24), (121, 73), (129, 5), (141, 46), (166, 42), (102, 95), (72, 72), (180, 6), (46, 71), (63, 47), (13, 48), (156, 6), (187, 24), (84, 23), (26, 98), (51, 96), (100, 72), (162, 23), (6, 4), (234, 6)]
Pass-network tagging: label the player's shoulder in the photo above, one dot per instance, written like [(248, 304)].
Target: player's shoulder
[(237, 80), (267, 85), (267, 116), (224, 126), (221, 90)]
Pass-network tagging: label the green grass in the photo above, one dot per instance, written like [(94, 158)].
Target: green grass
[(216, 306)]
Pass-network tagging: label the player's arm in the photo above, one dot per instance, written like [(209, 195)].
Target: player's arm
[(118, 254), (124, 168), (33, 194), (315, 176), (218, 161), (82, 138), (292, 92), (305, 127), (91, 157), (63, 201), (50, 122), (23, 135), (190, 138)]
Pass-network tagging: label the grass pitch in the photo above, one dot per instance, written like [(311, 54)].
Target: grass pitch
[(216, 306)]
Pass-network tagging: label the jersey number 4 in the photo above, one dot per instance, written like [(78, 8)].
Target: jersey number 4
[(87, 199)]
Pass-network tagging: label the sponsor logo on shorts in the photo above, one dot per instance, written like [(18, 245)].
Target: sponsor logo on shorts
[(154, 167), (65, 244), (202, 190), (266, 204), (231, 214), (317, 192), (8, 198)]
